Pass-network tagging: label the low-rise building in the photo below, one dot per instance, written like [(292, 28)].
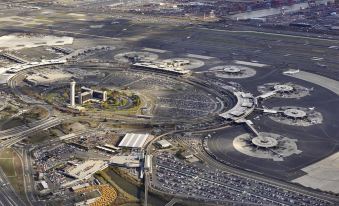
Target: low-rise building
[(163, 144), (133, 140)]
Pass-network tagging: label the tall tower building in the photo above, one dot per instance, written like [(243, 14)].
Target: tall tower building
[(72, 94)]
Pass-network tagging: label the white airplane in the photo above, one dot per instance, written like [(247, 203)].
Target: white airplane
[(311, 108), (291, 71)]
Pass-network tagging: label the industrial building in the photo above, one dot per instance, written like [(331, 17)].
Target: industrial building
[(85, 169), (112, 147), (80, 186), (43, 185), (108, 148), (163, 144), (128, 161), (186, 155), (133, 140), (105, 149)]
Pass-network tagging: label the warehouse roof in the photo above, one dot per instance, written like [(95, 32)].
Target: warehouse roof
[(163, 143), (133, 140)]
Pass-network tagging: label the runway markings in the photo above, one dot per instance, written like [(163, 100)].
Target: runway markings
[(319, 80), (253, 64), (315, 177), (155, 50), (74, 33), (272, 34), (199, 56)]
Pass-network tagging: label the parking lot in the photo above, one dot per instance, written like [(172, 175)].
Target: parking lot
[(198, 182)]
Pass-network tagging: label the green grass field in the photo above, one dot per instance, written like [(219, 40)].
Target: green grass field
[(11, 165), (7, 165)]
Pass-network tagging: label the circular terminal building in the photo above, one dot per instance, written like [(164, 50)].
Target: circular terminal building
[(296, 116), (294, 113), (283, 88), (233, 71), (266, 146), (287, 90), (264, 142)]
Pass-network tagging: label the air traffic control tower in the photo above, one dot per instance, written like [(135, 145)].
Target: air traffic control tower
[(72, 93)]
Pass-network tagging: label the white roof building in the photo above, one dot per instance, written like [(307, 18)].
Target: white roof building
[(86, 169), (125, 161), (80, 186), (163, 143), (148, 162), (44, 185), (133, 140)]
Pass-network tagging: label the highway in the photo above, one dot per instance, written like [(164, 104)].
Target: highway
[(7, 195), (5, 103), (13, 131), (28, 176), (17, 134), (172, 202), (14, 58), (23, 132)]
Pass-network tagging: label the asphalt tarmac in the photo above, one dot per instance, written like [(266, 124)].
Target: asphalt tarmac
[(278, 51)]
